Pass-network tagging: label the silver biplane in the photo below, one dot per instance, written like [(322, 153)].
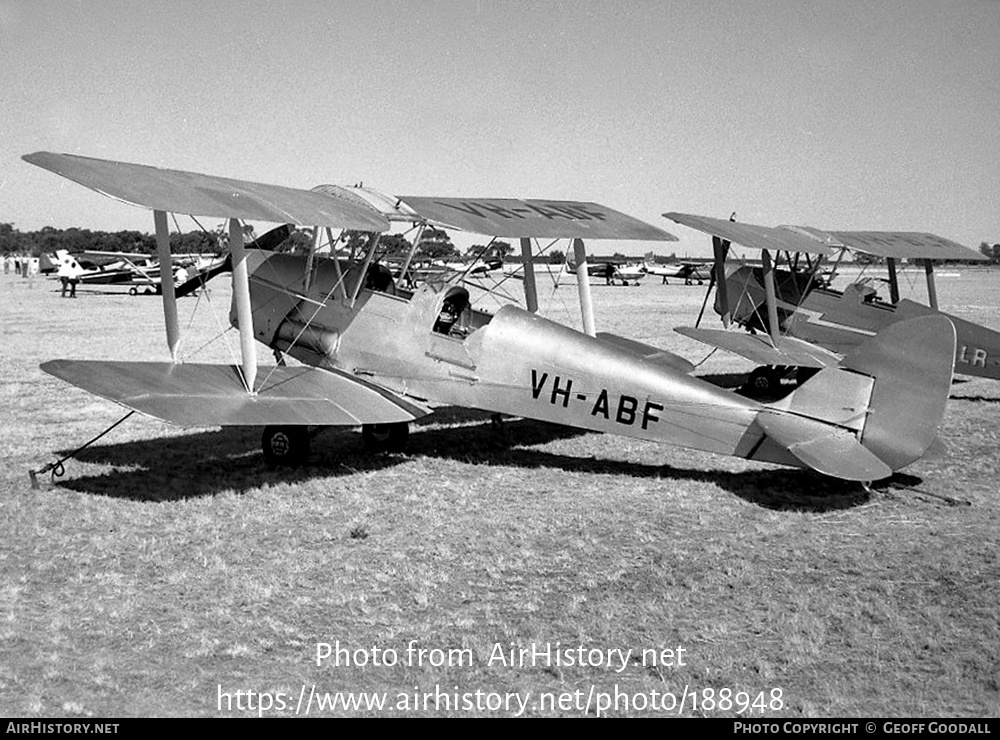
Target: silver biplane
[(795, 319), (377, 355)]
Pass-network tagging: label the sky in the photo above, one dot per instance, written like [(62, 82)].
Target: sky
[(855, 114)]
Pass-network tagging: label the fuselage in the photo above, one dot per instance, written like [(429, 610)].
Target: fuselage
[(841, 320), (514, 362)]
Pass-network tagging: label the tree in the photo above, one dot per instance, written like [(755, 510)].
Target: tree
[(435, 244), (863, 258), (392, 246), (497, 249), (992, 252), (8, 239)]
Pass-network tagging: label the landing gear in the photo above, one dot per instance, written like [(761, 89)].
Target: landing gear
[(763, 381), (385, 437), (286, 446)]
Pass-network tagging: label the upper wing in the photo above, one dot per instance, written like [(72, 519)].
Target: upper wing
[(896, 244), (195, 194), (552, 219), (749, 235), (212, 395)]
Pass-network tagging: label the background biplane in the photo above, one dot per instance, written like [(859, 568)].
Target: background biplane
[(795, 319), (378, 355)]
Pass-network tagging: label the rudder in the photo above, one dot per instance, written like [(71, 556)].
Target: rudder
[(912, 363)]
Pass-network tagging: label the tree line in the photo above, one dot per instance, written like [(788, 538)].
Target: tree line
[(48, 239), (435, 244), (990, 251)]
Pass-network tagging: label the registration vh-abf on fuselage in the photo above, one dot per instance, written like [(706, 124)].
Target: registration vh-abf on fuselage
[(378, 355)]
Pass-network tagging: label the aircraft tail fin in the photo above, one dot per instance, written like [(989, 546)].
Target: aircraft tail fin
[(877, 412), (912, 362)]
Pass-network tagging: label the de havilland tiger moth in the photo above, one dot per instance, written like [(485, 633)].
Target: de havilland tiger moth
[(378, 355), (794, 320)]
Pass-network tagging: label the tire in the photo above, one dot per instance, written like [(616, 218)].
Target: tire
[(385, 437), (763, 381), (285, 446)]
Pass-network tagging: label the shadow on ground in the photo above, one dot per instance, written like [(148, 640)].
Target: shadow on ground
[(211, 462)]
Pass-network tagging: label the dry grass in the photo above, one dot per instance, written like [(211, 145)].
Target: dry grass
[(168, 562)]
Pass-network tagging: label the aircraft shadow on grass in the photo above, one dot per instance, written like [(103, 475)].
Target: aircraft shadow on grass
[(176, 468)]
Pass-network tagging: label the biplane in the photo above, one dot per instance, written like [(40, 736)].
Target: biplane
[(374, 354), (795, 320)]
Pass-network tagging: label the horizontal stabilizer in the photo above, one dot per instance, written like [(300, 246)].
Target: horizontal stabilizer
[(213, 395), (749, 235), (195, 194), (647, 352), (826, 449), (758, 348)]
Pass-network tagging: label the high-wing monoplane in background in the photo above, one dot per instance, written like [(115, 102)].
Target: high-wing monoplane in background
[(688, 271), (98, 268), (610, 269), (377, 355), (796, 320), (140, 272)]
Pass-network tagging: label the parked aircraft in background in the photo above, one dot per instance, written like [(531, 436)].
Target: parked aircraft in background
[(611, 269), (795, 320), (380, 355), (98, 269), (688, 271)]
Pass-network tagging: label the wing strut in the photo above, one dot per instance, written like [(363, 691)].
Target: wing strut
[(772, 302), (241, 295), (931, 288), (409, 255), (583, 286), (720, 248), (530, 288), (167, 283), (336, 263), (893, 280), (311, 259), (363, 275)]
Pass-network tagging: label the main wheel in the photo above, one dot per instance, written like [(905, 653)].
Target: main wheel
[(286, 446), (385, 437), (763, 381)]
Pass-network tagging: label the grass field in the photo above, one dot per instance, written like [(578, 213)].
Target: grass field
[(168, 569)]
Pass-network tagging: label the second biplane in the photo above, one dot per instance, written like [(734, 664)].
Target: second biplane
[(795, 319), (378, 355)]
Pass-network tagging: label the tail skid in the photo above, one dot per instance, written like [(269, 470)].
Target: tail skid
[(877, 412)]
